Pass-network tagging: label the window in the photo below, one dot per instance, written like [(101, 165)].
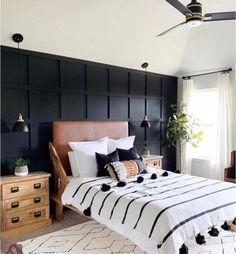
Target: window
[(204, 107)]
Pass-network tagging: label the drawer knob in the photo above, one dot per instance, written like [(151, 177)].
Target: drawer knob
[(37, 214), (155, 163), (37, 200), (37, 185), (14, 204), (15, 220), (14, 189)]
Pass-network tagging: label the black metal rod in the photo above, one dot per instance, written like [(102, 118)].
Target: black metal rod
[(19, 77), (207, 73)]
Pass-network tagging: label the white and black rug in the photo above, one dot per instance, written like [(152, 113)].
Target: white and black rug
[(94, 238)]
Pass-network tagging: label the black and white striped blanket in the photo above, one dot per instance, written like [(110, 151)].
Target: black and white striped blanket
[(159, 214)]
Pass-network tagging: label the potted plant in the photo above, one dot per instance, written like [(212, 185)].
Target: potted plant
[(182, 128), (21, 167)]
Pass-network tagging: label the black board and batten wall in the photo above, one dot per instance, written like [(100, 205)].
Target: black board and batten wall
[(54, 87)]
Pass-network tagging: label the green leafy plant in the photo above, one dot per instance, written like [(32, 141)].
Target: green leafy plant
[(182, 128), (20, 162)]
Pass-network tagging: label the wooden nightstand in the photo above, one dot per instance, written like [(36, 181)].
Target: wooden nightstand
[(154, 161), (24, 203)]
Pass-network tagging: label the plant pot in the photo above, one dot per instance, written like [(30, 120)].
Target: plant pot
[(21, 171)]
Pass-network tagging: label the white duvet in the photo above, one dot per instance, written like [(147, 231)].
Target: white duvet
[(158, 215)]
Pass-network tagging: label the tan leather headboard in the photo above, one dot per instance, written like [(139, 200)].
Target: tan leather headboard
[(66, 131)]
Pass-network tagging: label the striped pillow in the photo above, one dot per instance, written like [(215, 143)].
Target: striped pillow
[(121, 170), (141, 165)]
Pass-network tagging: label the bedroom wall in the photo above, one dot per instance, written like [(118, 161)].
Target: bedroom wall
[(55, 87)]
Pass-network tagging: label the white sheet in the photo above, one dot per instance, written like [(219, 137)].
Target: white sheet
[(197, 204)]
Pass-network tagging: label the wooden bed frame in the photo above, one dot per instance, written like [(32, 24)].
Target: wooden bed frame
[(66, 131)]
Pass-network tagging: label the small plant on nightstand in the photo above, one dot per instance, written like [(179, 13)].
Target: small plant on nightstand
[(21, 166)]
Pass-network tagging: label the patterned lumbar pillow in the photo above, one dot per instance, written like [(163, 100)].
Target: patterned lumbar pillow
[(112, 172), (119, 171)]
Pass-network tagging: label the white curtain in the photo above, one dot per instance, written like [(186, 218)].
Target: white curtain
[(223, 128), (187, 94)]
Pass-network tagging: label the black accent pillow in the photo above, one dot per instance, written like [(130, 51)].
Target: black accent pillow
[(126, 155), (103, 160)]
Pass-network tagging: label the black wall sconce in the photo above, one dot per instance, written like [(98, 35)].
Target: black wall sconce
[(20, 125), (145, 123)]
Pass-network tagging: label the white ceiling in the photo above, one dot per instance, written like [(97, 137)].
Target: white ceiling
[(122, 32)]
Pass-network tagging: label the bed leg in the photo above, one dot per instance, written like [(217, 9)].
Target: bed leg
[(183, 249), (58, 212)]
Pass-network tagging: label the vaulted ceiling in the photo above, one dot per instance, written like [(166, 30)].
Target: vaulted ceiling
[(122, 32)]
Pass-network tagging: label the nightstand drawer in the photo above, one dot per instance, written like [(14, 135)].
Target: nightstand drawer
[(25, 217), (12, 205), (19, 189), (156, 163)]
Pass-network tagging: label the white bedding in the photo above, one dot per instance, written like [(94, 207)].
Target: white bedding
[(166, 211)]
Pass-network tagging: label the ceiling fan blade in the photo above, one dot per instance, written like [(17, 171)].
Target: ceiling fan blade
[(180, 7), (170, 29), (219, 16)]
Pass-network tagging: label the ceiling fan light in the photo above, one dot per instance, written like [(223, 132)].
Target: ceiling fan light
[(194, 23)]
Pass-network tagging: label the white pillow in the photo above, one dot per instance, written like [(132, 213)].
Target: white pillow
[(73, 164), (122, 143), (82, 164), (91, 147)]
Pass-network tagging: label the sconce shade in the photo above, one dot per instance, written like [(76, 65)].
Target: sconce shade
[(20, 125), (145, 123)]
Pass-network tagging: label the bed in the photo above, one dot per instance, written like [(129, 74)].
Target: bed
[(157, 214)]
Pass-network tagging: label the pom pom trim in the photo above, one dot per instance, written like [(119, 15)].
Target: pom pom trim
[(105, 187), (140, 179)]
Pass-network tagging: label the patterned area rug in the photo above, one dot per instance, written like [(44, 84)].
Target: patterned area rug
[(86, 238), (95, 238)]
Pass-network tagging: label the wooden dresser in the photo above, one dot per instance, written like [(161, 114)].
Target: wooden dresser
[(24, 203), (154, 161)]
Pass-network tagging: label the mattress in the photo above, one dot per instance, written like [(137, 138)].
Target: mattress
[(159, 215)]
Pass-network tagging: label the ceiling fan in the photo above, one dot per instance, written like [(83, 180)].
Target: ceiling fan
[(194, 17)]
